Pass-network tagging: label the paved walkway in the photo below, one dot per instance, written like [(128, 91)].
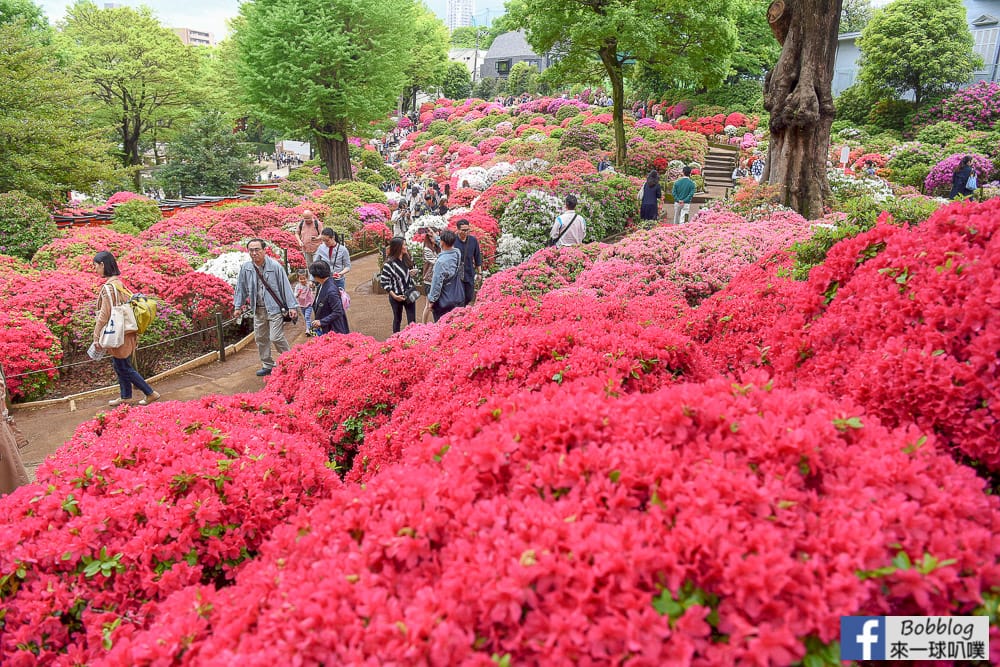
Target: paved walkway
[(49, 427)]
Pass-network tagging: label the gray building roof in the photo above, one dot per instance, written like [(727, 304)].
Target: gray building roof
[(510, 45)]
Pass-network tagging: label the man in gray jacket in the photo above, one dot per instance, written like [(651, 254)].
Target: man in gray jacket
[(263, 287), (444, 296)]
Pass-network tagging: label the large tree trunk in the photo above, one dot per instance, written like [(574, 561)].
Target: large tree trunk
[(335, 156), (609, 56), (798, 95)]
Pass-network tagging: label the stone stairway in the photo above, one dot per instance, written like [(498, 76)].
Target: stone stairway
[(718, 172)]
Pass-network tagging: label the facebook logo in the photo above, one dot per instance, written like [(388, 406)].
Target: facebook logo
[(862, 637)]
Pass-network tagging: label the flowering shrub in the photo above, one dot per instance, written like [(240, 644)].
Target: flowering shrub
[(846, 187), (200, 296), (122, 197), (75, 251), (561, 484), (940, 175), (462, 197), (25, 225), (190, 241), (231, 231), (975, 107), (118, 521), (578, 137), (702, 258), (27, 345), (51, 297), (197, 216), (226, 266), (161, 260), (530, 215), (512, 250), (259, 218), (373, 213), (925, 357), (371, 235)]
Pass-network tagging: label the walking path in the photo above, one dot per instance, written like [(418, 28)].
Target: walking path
[(47, 428)]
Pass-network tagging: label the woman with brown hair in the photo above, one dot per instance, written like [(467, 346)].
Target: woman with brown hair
[(113, 293), (395, 279)]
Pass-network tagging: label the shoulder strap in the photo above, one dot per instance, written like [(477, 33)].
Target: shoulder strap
[(566, 229), (280, 299)]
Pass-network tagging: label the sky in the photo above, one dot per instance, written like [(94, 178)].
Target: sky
[(211, 15)]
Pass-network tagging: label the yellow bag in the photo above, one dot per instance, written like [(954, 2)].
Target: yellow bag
[(144, 309)]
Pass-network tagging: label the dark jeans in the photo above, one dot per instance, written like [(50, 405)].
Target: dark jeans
[(127, 376), (470, 292), (440, 312), (397, 313)]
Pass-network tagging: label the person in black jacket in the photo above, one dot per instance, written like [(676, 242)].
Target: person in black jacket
[(328, 309), (960, 179), (472, 259)]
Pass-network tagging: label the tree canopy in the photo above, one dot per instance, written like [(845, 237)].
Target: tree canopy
[(49, 143), (324, 67), (208, 158), (757, 50), (689, 40), (855, 15), (457, 82), (26, 11), (428, 60), (923, 47), (139, 70)]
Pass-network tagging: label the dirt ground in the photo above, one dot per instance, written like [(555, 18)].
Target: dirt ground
[(49, 427)]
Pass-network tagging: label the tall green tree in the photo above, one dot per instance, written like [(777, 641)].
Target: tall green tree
[(207, 159), (757, 50), (799, 97), (139, 70), (326, 67), (32, 15), (691, 40), (855, 15), (428, 59), (522, 79), (49, 142), (923, 47), (457, 83)]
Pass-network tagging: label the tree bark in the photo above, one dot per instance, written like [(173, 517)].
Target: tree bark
[(798, 95), (609, 56), (333, 152)]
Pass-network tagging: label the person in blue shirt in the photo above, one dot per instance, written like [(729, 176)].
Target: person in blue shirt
[(263, 289)]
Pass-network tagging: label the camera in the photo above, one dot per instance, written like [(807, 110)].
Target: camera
[(423, 230)]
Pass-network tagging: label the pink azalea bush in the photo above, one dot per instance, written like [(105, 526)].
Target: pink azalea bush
[(122, 521), (30, 353), (122, 197), (75, 251), (976, 107), (200, 296), (51, 297), (566, 526), (941, 173)]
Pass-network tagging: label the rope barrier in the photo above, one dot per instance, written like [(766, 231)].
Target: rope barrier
[(146, 347)]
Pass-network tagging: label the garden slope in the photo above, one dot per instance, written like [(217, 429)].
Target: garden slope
[(560, 474)]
